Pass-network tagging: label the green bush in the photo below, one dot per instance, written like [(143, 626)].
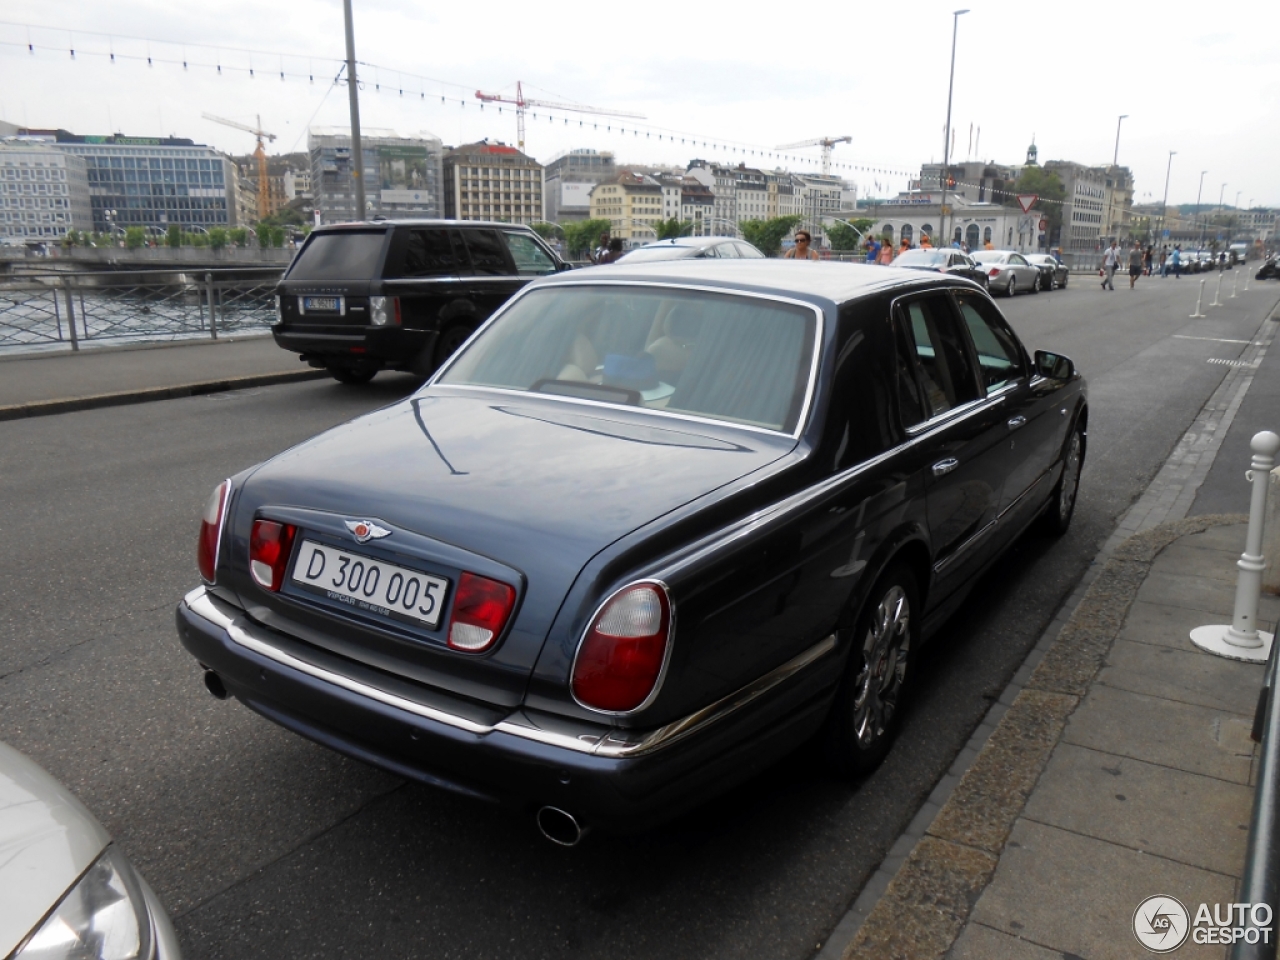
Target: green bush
[(238, 235), (263, 230), (277, 236), (217, 237), (174, 238)]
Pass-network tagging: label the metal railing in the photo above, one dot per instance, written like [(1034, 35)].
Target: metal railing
[(1260, 882), (47, 310)]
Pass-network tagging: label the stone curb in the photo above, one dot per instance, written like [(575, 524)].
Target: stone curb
[(45, 408), (927, 904)]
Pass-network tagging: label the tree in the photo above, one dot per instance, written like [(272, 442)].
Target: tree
[(1048, 187), (276, 235), (237, 235), (174, 239), (845, 237), (217, 237), (263, 230), (134, 237), (670, 229), (766, 235), (580, 238), (545, 229)]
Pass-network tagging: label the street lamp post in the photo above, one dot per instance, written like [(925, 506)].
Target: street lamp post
[(946, 142), (1200, 215), (1218, 219), (1115, 160), (1164, 204)]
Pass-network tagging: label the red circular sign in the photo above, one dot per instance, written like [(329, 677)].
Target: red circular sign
[(1044, 224)]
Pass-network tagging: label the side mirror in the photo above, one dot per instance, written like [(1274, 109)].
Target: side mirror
[(1054, 366), (562, 266)]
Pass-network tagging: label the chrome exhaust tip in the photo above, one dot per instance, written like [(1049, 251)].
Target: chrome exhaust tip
[(213, 683), (559, 827)]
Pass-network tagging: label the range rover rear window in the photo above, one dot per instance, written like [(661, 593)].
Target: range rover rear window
[(340, 256)]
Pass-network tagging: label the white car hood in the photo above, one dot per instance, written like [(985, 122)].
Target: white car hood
[(47, 840)]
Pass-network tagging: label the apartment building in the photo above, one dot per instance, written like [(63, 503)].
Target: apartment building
[(492, 181), (402, 175), (44, 192)]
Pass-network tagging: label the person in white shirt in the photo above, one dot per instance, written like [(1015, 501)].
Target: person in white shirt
[(1110, 260)]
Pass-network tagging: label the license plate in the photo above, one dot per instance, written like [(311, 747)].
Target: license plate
[(369, 585), (321, 304)]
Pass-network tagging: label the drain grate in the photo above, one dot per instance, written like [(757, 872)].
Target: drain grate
[(1235, 363)]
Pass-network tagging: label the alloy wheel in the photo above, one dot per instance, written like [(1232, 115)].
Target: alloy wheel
[(1070, 479), (885, 650)]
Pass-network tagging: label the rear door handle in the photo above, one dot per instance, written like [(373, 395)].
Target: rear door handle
[(1015, 422), (943, 467)]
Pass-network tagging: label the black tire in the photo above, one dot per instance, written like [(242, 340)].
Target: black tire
[(450, 339), (1062, 284), (1056, 519), (1035, 284), (868, 705), (1012, 289), (352, 375)]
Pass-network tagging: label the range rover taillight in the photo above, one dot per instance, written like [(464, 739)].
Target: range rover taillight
[(270, 544), (384, 311), (211, 530), (480, 610), (620, 660)]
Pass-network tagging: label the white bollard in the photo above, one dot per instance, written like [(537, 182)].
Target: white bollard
[(1243, 640), (1217, 291), (1199, 300), (1245, 264), (1235, 282)]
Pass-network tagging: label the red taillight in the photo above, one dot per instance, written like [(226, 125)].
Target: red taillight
[(995, 272), (621, 657), (480, 610), (211, 531), (270, 544)]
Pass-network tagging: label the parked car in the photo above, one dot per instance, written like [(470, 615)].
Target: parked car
[(649, 530), (955, 262), (400, 295), (693, 248), (1009, 271), (1053, 272), (65, 890)]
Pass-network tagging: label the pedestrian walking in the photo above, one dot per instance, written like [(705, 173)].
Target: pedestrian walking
[(1110, 262), (1164, 262), (801, 250), (1175, 261), (1135, 264), (1147, 257), (601, 248), (612, 253), (885, 257), (873, 250)]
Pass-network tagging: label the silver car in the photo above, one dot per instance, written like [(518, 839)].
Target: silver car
[(693, 248), (1008, 271), (65, 890)]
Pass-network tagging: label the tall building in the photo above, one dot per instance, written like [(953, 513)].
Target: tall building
[(492, 181), (44, 192), (402, 175), (150, 181), (567, 181), (1084, 212)]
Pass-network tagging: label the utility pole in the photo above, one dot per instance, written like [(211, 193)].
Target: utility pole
[(944, 239), (1164, 204), (1199, 215), (353, 95)]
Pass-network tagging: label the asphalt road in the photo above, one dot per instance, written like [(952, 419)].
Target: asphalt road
[(264, 845)]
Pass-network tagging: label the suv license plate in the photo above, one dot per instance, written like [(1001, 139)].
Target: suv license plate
[(322, 305), (373, 586)]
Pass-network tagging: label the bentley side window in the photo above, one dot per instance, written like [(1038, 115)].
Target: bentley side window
[(1000, 359), (938, 354)]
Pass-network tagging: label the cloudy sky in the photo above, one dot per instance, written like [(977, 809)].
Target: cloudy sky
[(1196, 78)]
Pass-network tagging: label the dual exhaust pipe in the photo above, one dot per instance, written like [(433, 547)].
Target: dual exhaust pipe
[(559, 826)]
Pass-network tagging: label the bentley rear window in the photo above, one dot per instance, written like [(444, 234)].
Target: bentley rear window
[(735, 358)]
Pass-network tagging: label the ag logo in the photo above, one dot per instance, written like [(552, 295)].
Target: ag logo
[(366, 530), (1161, 924)]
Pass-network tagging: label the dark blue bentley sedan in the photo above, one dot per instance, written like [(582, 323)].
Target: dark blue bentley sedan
[(651, 528)]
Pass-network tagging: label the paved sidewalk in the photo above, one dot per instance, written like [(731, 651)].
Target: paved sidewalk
[(45, 383), (1121, 770)]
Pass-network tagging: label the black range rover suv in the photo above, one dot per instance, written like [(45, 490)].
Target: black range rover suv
[(400, 294)]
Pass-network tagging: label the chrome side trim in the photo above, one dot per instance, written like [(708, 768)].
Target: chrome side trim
[(610, 743)]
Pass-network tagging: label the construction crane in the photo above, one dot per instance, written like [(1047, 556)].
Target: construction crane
[(522, 103), (264, 208), (825, 142)]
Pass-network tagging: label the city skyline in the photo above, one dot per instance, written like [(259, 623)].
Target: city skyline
[(699, 76)]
